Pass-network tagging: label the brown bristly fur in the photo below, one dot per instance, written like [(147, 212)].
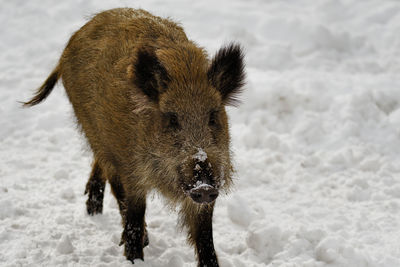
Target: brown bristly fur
[(143, 95)]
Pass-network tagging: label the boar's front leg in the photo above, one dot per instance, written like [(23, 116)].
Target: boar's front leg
[(117, 189), (199, 223), (133, 235)]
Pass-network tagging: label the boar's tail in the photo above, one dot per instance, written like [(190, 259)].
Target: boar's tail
[(45, 89)]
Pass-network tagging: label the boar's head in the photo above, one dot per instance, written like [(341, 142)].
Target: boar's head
[(187, 134)]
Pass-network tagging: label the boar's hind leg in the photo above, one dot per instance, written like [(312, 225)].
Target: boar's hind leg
[(198, 220), (134, 234), (95, 187)]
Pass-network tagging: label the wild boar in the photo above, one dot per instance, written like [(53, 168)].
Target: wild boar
[(152, 107)]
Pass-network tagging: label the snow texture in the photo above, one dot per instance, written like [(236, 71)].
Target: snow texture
[(201, 185), (316, 140), (201, 155)]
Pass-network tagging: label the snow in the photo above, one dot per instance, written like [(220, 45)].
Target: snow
[(65, 246), (201, 184), (316, 140), (201, 155)]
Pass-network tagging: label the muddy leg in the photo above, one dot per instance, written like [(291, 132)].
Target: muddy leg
[(198, 220), (119, 193), (133, 235), (95, 187)]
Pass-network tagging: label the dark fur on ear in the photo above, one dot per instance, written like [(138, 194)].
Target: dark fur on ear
[(226, 73), (150, 75)]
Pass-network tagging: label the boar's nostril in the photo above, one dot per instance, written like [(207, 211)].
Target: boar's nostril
[(204, 194), (213, 196), (196, 196)]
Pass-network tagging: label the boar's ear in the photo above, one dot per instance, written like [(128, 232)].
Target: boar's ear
[(226, 73), (150, 76)]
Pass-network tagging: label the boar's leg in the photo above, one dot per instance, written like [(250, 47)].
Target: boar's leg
[(134, 234), (118, 191), (95, 187), (199, 223)]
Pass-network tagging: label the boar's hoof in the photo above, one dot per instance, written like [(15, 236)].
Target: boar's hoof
[(95, 189), (203, 194), (133, 247), (133, 252), (94, 205), (145, 239)]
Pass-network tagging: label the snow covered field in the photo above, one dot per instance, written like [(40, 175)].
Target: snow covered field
[(316, 140)]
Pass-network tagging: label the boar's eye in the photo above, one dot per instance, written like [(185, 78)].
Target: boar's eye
[(171, 120), (213, 120)]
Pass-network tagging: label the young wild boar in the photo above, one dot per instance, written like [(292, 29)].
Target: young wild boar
[(152, 107)]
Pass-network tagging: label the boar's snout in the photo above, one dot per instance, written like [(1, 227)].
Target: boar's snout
[(199, 179), (203, 194)]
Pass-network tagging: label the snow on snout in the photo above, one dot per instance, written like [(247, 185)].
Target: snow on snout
[(201, 155), (201, 185)]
